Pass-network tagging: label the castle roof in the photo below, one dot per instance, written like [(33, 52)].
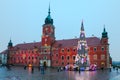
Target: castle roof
[(91, 41)]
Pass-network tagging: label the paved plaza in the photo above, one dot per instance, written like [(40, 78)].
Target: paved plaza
[(19, 73)]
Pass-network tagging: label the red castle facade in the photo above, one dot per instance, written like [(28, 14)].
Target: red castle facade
[(52, 52)]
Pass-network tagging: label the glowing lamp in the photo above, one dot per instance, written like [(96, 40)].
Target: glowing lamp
[(30, 65)]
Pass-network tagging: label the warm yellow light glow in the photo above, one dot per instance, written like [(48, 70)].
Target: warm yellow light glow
[(30, 65)]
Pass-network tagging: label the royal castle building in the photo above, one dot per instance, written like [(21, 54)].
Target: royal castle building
[(52, 52)]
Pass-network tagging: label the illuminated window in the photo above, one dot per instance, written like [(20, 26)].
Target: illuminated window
[(95, 57), (102, 57)]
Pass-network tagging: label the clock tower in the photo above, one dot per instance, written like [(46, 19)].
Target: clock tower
[(48, 39)]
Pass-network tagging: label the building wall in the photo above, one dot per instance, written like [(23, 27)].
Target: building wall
[(60, 56)]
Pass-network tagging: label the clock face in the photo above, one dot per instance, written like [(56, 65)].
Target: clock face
[(46, 29)]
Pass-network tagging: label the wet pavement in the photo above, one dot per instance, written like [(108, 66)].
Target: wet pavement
[(19, 73)]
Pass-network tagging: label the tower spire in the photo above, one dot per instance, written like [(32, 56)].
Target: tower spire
[(49, 9), (104, 33), (10, 44), (82, 26), (104, 28), (48, 19)]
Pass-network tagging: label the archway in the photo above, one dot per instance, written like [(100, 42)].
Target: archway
[(45, 64)]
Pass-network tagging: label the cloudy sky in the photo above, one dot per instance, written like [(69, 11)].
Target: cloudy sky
[(22, 20)]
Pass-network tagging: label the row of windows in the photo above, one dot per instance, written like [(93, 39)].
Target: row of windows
[(13, 58), (25, 52), (95, 49), (68, 57), (26, 62), (102, 57), (68, 50)]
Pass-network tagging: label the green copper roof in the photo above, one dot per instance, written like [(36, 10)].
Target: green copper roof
[(104, 33), (48, 19), (10, 44)]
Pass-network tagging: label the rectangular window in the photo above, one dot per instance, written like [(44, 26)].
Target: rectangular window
[(95, 49), (56, 62), (102, 57), (95, 57)]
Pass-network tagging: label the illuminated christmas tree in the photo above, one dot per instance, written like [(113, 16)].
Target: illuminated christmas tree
[(82, 59)]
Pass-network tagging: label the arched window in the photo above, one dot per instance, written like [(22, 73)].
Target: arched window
[(68, 57), (102, 48), (73, 57), (62, 57)]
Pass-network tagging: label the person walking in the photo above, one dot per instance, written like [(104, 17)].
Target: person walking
[(32, 69), (117, 69), (79, 70), (25, 67)]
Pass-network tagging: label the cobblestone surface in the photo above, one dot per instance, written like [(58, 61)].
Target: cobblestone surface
[(18, 73)]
